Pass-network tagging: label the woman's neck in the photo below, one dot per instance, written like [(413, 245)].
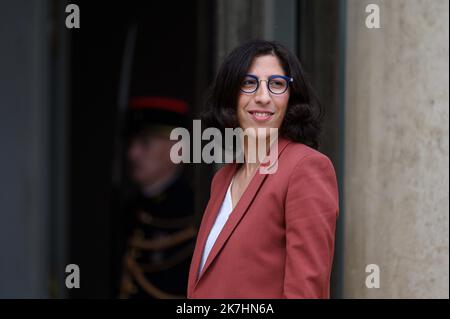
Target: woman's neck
[(252, 156)]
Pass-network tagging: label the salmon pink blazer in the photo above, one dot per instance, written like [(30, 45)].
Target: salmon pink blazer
[(278, 242)]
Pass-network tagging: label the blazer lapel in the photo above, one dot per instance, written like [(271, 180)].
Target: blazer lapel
[(233, 220), (208, 220)]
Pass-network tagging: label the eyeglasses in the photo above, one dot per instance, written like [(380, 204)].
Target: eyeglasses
[(276, 84)]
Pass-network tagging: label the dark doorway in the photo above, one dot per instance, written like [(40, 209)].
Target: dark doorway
[(170, 40)]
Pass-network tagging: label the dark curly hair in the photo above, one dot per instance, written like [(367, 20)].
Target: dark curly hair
[(304, 114)]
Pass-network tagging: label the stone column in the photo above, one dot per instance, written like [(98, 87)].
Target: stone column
[(396, 178), (237, 22)]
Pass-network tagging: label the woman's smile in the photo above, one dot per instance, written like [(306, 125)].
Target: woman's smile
[(261, 116)]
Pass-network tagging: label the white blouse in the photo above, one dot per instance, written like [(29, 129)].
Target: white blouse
[(222, 217)]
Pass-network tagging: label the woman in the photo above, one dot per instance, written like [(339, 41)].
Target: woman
[(267, 235)]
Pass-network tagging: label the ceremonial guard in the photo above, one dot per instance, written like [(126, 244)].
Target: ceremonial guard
[(161, 233)]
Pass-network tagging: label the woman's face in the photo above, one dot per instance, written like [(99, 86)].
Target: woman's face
[(263, 109)]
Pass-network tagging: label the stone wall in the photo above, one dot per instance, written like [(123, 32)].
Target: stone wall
[(396, 150)]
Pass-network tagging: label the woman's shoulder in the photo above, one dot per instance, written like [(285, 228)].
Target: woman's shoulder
[(297, 152), (297, 155), (313, 171)]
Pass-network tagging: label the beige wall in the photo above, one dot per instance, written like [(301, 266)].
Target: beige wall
[(396, 150)]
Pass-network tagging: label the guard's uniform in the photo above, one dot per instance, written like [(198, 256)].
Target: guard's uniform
[(161, 235), (159, 250)]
